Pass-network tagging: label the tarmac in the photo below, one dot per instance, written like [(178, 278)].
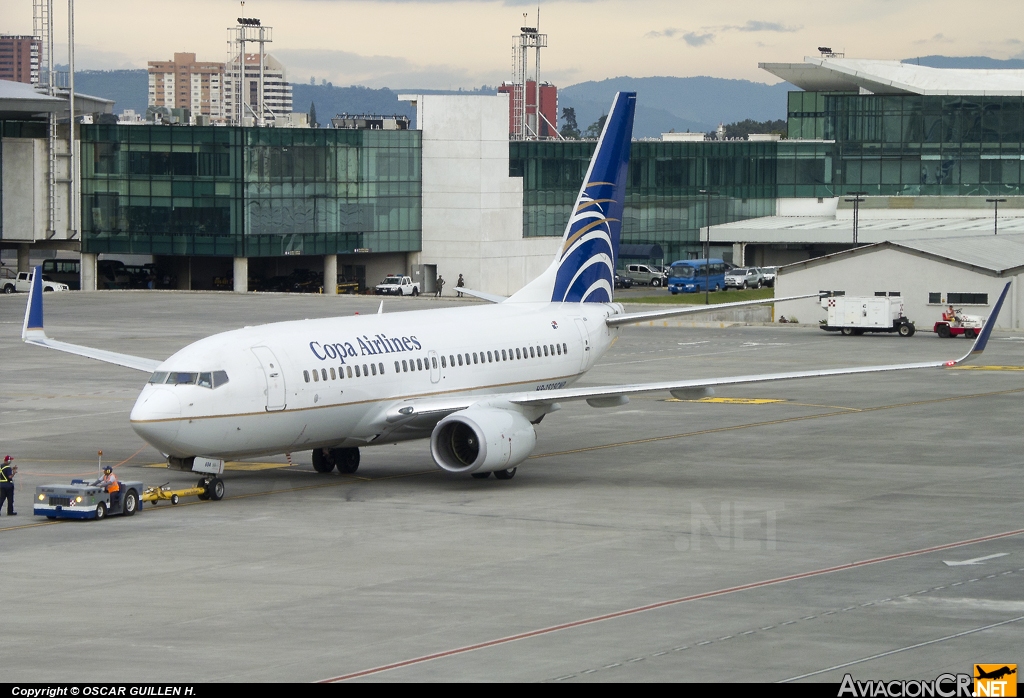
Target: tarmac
[(796, 530)]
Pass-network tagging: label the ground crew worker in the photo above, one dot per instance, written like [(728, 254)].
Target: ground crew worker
[(109, 482), (459, 284), (440, 285), (7, 472)]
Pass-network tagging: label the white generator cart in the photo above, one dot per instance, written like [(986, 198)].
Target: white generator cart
[(855, 315)]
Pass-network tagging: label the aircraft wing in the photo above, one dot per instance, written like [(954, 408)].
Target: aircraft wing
[(426, 409), (32, 333), (607, 396), (632, 318)]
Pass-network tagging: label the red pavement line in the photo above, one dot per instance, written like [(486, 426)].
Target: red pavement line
[(662, 604)]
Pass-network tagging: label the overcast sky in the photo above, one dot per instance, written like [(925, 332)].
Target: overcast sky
[(442, 44)]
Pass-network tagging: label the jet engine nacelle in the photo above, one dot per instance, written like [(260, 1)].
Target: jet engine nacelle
[(482, 440)]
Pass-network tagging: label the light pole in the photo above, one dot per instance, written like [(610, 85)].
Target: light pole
[(707, 249), (857, 200), (995, 220)]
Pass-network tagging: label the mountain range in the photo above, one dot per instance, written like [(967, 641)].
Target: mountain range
[(664, 103)]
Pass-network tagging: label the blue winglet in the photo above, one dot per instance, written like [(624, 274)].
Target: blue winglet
[(33, 327), (986, 330)]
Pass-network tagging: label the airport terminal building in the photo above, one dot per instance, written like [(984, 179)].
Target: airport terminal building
[(925, 148)]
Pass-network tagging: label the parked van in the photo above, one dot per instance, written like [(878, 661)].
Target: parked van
[(65, 271)]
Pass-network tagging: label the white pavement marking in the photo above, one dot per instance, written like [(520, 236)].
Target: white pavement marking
[(902, 649), (974, 560)]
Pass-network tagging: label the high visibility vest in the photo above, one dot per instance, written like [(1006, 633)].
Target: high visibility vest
[(111, 483), (4, 477)]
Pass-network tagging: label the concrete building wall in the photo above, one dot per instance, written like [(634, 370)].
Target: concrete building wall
[(25, 185), (472, 209), (867, 271)]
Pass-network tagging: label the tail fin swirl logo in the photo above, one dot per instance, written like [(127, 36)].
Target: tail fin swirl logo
[(586, 263)]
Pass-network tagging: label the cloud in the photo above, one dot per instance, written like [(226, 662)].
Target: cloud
[(668, 33), (347, 68), (695, 39), (755, 25), (938, 38)]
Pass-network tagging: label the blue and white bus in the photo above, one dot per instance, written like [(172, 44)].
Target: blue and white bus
[(694, 275)]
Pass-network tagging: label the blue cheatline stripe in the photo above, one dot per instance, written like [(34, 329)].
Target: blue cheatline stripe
[(35, 302), (597, 215)]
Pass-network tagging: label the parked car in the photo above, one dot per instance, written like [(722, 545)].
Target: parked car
[(111, 274), (23, 283), (645, 274), (398, 285), (744, 277), (623, 281), (769, 274)]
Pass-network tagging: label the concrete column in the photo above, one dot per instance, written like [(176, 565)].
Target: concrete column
[(88, 272), (737, 253), (241, 274), (23, 262), (331, 274)]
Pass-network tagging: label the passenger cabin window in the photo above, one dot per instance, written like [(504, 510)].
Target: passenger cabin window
[(323, 372), (381, 367), (398, 367), (334, 376), (357, 371), (460, 359), (316, 376), (433, 361), (350, 372), (565, 349), (305, 374)]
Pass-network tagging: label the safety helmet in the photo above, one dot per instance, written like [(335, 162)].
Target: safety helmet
[(8, 459), (107, 469)]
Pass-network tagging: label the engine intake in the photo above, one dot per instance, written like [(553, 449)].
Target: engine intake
[(482, 440)]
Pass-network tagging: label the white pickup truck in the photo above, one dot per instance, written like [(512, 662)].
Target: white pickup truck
[(398, 286), (23, 283)]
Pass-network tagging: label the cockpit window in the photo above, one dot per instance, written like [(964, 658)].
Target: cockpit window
[(206, 379)]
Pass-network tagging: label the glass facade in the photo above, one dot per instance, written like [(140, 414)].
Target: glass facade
[(913, 145), (247, 192), (663, 200)]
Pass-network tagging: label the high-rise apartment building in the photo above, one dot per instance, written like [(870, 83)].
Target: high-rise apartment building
[(186, 83), (19, 58), (277, 91)]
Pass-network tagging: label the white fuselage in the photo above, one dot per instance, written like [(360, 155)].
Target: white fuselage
[(271, 402)]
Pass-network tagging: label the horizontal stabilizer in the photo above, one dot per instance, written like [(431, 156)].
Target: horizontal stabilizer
[(489, 297), (633, 318), (32, 332)]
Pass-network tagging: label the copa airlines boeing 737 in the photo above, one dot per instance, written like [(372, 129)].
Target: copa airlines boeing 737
[(475, 380)]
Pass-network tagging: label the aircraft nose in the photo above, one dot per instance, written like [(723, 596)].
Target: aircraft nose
[(156, 418)]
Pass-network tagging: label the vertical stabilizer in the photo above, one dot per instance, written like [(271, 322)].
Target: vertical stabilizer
[(584, 267)]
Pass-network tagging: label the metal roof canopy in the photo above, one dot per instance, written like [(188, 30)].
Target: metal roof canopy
[(641, 252), (20, 100), (895, 78), (996, 254)]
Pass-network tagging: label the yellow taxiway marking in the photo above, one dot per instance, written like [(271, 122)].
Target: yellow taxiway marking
[(987, 368), (730, 400)]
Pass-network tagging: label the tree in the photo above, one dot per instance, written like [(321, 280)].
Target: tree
[(741, 129), (312, 115), (570, 129), (594, 130)]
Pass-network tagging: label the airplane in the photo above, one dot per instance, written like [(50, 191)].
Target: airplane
[(473, 380), (996, 674)]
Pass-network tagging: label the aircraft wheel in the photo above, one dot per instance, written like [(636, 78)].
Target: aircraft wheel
[(505, 474), (206, 489), (216, 489), (101, 511), (347, 459), (131, 503), (323, 462), (480, 476)]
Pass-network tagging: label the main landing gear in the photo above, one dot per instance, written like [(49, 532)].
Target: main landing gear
[(346, 460), (500, 474)]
